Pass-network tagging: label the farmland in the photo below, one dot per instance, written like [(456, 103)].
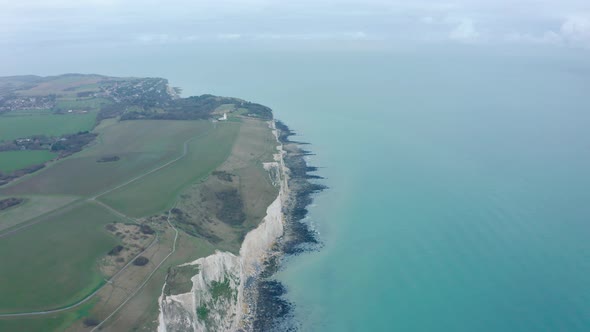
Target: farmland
[(69, 241), (140, 145), (71, 232), (64, 84), (159, 190), (13, 160), (34, 206), (201, 231), (13, 127), (54, 322), (61, 267)]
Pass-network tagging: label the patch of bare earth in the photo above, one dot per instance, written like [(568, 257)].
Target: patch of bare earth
[(135, 239)]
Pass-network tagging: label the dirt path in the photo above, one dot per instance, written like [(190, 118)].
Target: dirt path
[(94, 198)]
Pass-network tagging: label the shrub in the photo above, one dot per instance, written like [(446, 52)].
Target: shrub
[(202, 312), (116, 250), (91, 321), (141, 261), (145, 229)]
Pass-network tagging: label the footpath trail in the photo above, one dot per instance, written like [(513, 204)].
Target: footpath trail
[(146, 279), (94, 198)]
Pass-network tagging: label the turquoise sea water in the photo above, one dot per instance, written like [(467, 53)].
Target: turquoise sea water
[(459, 192), (459, 195)]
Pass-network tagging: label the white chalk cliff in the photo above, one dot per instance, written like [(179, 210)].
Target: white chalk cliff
[(220, 298)]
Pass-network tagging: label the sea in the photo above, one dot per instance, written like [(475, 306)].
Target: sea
[(459, 178)]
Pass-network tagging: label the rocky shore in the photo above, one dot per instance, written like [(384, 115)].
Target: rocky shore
[(273, 312)]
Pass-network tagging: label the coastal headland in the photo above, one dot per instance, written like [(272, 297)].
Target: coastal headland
[(127, 207)]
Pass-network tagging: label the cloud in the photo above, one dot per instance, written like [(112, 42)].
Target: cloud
[(427, 20), (390, 22), (229, 36), (163, 38), (547, 38), (576, 30), (358, 35), (464, 31)]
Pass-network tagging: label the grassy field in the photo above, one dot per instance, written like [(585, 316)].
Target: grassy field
[(28, 112), (141, 146), (33, 207), (89, 104), (64, 84), (53, 246), (53, 322), (254, 145), (160, 189), (13, 160), (61, 267), (13, 127)]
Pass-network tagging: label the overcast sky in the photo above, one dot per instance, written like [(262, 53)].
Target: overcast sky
[(555, 23)]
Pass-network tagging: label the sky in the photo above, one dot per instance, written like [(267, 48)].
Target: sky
[(555, 23)]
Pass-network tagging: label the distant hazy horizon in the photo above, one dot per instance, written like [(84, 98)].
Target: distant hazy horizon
[(76, 35)]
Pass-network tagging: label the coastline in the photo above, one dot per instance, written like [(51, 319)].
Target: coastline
[(274, 312), (252, 300)]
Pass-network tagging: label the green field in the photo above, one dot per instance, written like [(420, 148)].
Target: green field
[(33, 207), (61, 267), (28, 112), (81, 104), (13, 160), (159, 190), (13, 127), (141, 145), (67, 84), (54, 246), (54, 262), (53, 322)]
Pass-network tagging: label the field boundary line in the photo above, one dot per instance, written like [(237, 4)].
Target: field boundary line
[(114, 211)]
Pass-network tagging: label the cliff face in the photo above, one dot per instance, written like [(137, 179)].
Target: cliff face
[(223, 294), (212, 303)]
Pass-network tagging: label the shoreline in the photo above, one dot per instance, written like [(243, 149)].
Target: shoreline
[(274, 312), (254, 300)]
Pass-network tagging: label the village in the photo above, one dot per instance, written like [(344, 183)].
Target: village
[(15, 102)]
